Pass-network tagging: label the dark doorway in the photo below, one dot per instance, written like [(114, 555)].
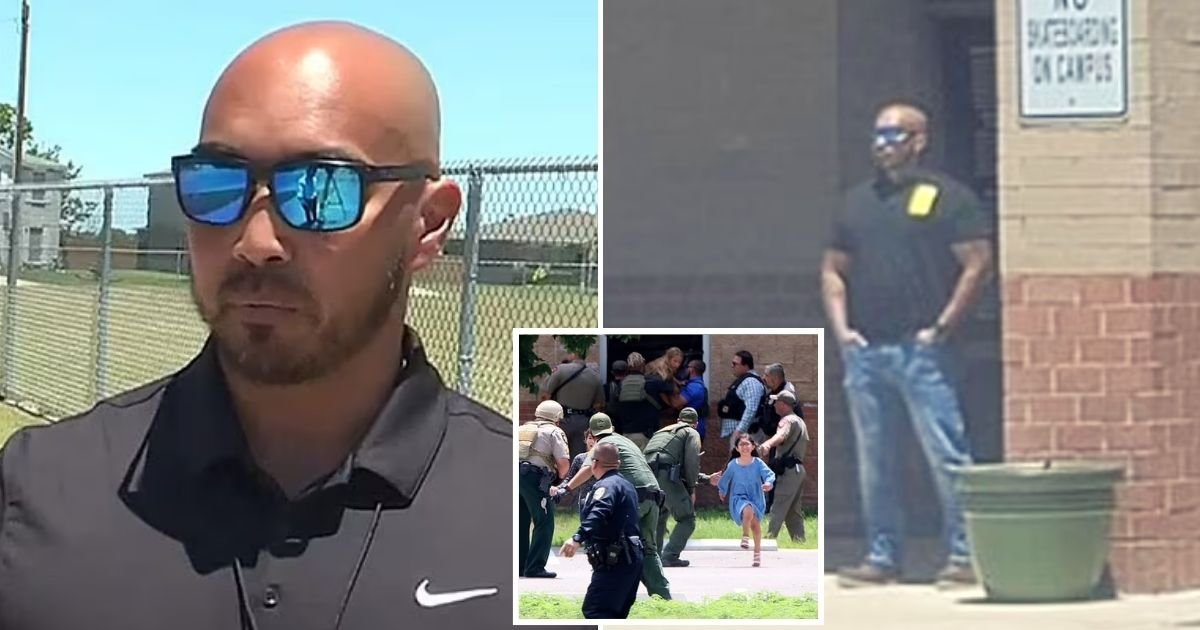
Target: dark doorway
[(651, 347), (969, 71), (967, 130)]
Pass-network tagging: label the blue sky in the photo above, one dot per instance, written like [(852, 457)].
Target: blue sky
[(120, 84)]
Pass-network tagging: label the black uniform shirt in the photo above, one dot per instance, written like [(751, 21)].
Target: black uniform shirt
[(898, 237), (147, 512), (609, 511)]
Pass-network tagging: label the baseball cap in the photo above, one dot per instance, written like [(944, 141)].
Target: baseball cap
[(600, 424), (549, 410), (785, 396), (689, 415), (620, 366)]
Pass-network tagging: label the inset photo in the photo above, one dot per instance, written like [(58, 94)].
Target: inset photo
[(668, 474)]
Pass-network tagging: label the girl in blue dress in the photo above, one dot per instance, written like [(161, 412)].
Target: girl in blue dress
[(745, 482)]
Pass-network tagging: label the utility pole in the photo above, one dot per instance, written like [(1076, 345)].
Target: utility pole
[(14, 232)]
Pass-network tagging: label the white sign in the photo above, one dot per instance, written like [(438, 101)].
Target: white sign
[(1073, 58)]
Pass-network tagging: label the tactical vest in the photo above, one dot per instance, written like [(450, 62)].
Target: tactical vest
[(732, 407), (768, 417), (526, 435), (661, 444), (633, 389)]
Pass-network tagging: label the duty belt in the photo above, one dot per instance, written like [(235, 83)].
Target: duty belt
[(529, 468), (606, 555), (568, 411), (648, 494), (790, 461)]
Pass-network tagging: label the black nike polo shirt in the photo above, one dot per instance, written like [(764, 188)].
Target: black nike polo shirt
[(148, 512)]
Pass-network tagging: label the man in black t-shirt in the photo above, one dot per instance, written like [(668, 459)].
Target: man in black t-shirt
[(910, 252)]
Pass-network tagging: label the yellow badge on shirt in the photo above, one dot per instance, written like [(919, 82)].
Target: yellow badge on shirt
[(920, 204)]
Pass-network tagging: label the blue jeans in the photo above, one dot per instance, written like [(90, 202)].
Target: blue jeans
[(920, 374)]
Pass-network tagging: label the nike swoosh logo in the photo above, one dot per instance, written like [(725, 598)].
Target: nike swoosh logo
[(432, 600)]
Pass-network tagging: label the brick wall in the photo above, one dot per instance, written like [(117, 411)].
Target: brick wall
[(1100, 236), (1107, 367), (798, 354)]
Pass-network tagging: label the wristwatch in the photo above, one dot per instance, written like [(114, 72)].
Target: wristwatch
[(577, 539)]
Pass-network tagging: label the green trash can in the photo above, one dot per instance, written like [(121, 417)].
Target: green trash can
[(1039, 532)]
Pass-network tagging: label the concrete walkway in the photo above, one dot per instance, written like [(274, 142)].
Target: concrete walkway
[(925, 607), (711, 574), (916, 603)]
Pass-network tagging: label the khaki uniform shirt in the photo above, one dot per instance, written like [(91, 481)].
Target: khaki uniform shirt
[(585, 391), (793, 425)]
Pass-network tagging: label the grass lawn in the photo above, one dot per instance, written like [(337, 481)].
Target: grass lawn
[(733, 606), (12, 419), (153, 330), (710, 523)]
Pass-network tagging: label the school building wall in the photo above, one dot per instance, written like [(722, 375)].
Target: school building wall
[(1100, 261)]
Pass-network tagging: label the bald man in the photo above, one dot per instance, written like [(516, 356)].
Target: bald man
[(308, 469), (909, 254)]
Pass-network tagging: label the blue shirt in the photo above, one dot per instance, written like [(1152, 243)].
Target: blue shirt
[(695, 394)]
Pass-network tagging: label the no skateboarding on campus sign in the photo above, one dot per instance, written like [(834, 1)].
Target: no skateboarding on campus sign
[(1073, 58)]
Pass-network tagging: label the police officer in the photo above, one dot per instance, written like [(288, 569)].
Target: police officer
[(790, 442), (542, 458), (636, 471), (673, 453), (608, 530), (580, 390)]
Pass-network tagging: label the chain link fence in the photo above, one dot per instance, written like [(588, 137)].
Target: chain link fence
[(102, 301)]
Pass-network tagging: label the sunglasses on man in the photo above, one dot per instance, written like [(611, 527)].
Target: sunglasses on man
[(890, 136), (312, 194)]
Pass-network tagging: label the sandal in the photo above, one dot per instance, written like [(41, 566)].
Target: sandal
[(757, 559), (745, 542)]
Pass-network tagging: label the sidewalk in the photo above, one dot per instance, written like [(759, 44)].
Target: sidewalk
[(917, 603), (923, 606), (712, 574)]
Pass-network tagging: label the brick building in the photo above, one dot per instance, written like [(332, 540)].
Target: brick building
[(799, 355), (1089, 343), (1100, 260)]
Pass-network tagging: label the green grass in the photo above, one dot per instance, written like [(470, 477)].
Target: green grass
[(86, 277), (710, 523), (153, 330), (733, 606), (12, 419)]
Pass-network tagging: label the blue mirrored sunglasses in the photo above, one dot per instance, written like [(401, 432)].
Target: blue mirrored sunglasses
[(885, 136), (317, 195)]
